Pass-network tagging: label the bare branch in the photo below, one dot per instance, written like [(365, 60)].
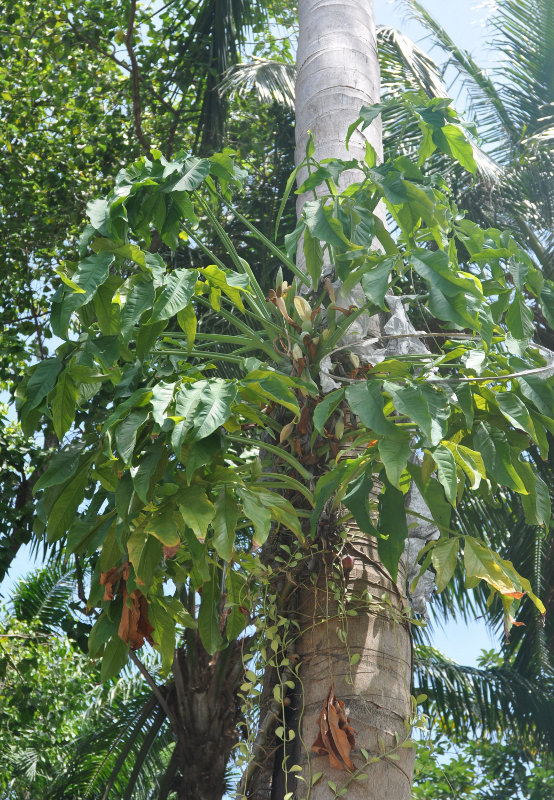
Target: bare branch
[(137, 113)]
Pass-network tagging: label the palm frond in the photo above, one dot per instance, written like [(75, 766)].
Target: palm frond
[(486, 102), (525, 35), (271, 80), (44, 596), (484, 701)]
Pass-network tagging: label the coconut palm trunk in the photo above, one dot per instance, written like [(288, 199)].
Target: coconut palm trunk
[(354, 647)]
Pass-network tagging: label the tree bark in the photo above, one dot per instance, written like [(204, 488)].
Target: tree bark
[(338, 72), (203, 701)]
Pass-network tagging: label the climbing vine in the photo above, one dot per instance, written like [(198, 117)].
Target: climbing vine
[(185, 451)]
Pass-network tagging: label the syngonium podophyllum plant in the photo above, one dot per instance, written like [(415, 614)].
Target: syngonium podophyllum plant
[(172, 469)]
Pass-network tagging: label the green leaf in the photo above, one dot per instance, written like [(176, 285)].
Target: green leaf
[(162, 394), (446, 472), (412, 402), (444, 557), (547, 302), (375, 283), (146, 471), (320, 225), (90, 274), (259, 515), (225, 523), (145, 553), (325, 408), (281, 509), (433, 494), (115, 658), (208, 614), (61, 466), (197, 510), (165, 525), (536, 504), (205, 405), (394, 453), (187, 321), (139, 299), (313, 253), (515, 412), (495, 450), (519, 318), (366, 401), (102, 630), (107, 312), (356, 501), (271, 386), (163, 633), (189, 176), (139, 398), (176, 294), (540, 392), (98, 212), (470, 461), (62, 503), (126, 433), (41, 382), (393, 526), (452, 140), (64, 401)]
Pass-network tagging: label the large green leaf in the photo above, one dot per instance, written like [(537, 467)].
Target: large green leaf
[(197, 510), (495, 450), (176, 294), (138, 300), (225, 522), (395, 453), (205, 405), (189, 176), (515, 412), (64, 401), (375, 282), (446, 472), (412, 402), (163, 633), (208, 613), (393, 527), (356, 501), (115, 658), (366, 401), (325, 408), (444, 556), (258, 514), (126, 433)]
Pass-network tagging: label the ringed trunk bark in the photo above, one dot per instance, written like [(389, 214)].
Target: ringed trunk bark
[(338, 72)]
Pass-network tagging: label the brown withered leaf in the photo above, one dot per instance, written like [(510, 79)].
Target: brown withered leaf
[(336, 736), (135, 627), (109, 580), (171, 550)]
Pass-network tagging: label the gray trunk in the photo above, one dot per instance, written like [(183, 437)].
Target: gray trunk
[(338, 72)]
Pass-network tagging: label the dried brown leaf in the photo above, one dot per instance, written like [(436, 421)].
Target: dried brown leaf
[(336, 736)]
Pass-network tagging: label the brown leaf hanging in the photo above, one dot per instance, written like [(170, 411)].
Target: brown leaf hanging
[(134, 627), (336, 736)]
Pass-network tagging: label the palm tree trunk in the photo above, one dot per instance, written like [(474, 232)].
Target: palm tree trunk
[(357, 646)]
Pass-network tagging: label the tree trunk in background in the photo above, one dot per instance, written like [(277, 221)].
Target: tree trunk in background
[(338, 72)]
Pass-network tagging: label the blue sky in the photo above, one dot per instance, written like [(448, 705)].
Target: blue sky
[(465, 21)]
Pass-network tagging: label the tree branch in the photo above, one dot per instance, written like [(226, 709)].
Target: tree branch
[(135, 77)]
